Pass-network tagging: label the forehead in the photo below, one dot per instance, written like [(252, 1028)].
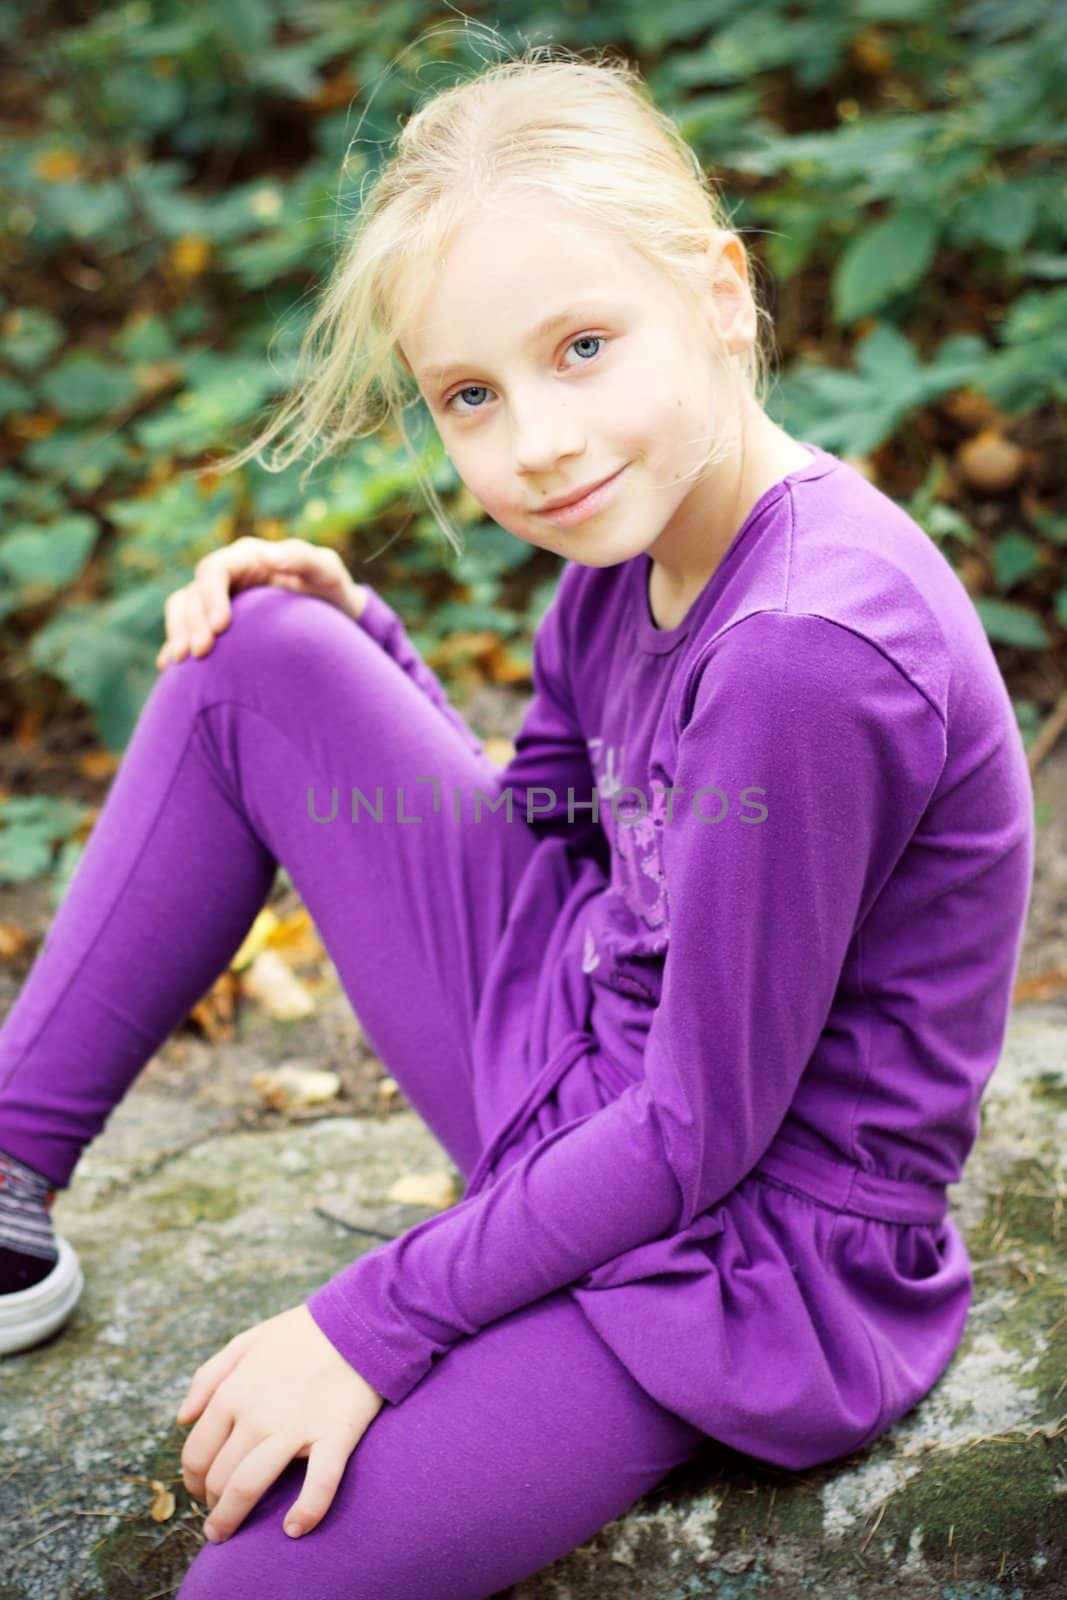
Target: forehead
[(510, 272)]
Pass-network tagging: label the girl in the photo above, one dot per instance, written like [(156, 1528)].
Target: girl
[(700, 992)]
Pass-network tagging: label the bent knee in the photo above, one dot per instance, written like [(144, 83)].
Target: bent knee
[(271, 632)]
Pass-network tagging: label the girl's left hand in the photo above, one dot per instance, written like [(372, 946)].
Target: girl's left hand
[(277, 1392)]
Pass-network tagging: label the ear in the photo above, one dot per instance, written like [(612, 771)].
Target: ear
[(731, 310)]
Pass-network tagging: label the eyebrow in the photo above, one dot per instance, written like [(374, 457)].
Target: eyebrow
[(572, 313)]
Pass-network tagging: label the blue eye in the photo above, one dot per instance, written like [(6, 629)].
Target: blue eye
[(583, 338)]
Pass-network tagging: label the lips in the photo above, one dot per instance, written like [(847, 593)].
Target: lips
[(579, 494)]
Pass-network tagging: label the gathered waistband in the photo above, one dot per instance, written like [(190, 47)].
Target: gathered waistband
[(829, 1180), (844, 1186)]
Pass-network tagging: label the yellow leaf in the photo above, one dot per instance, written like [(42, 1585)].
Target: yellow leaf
[(296, 938), (256, 939), (57, 166), (191, 254)]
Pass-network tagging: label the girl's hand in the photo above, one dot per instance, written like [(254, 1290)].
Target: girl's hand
[(195, 613), (277, 1392)]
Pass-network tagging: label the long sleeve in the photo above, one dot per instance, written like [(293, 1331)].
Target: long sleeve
[(825, 757), (551, 753), (387, 630)]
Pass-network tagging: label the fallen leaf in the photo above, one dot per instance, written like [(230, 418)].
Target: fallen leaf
[(425, 1189), (255, 940), (499, 749), (296, 937), (278, 990), (215, 1011), (1048, 985), (98, 764), (28, 727), (162, 1507), (13, 940), (284, 1088)]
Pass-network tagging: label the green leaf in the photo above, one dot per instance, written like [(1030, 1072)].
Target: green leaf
[(14, 396), (1002, 215), (29, 337), (51, 557), (491, 552), (1008, 623), (82, 387), (246, 24), (1015, 557), (30, 827), (105, 654), (882, 261)]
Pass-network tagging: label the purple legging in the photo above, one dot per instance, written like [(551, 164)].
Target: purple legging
[(523, 1440)]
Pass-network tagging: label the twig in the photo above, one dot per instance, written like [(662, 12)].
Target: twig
[(352, 1227), (1053, 726)]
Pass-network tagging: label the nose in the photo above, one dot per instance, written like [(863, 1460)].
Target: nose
[(545, 432)]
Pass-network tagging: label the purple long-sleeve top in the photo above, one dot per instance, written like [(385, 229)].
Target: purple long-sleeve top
[(797, 918)]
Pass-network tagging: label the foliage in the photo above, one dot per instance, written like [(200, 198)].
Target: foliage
[(173, 181)]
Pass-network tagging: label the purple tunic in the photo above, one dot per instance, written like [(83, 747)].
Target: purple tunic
[(778, 964)]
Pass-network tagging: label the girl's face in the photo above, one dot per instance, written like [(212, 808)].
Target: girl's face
[(622, 382)]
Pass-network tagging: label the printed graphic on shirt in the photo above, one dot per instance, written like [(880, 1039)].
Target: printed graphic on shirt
[(634, 919)]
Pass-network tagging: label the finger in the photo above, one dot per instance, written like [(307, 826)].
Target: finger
[(213, 581), (248, 1482), (201, 633), (202, 1449), (327, 1460), (207, 1377), (174, 612)]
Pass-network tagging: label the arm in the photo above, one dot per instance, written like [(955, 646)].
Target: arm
[(762, 913), (551, 752)]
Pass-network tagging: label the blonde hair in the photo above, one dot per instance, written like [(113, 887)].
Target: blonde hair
[(584, 131)]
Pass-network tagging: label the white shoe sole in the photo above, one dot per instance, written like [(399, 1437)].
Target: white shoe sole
[(27, 1316)]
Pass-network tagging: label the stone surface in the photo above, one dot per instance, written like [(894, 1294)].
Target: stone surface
[(193, 1215)]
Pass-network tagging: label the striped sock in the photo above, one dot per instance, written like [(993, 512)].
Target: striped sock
[(28, 1249)]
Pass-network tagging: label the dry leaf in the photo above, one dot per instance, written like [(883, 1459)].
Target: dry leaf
[(508, 668), (255, 940), (425, 1189), (1048, 985), (278, 990), (214, 1013), (388, 1089), (463, 647), (284, 1088), (297, 939), (13, 939), (499, 749), (98, 764), (28, 727), (162, 1507)]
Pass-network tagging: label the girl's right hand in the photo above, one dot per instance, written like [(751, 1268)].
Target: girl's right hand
[(196, 613)]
